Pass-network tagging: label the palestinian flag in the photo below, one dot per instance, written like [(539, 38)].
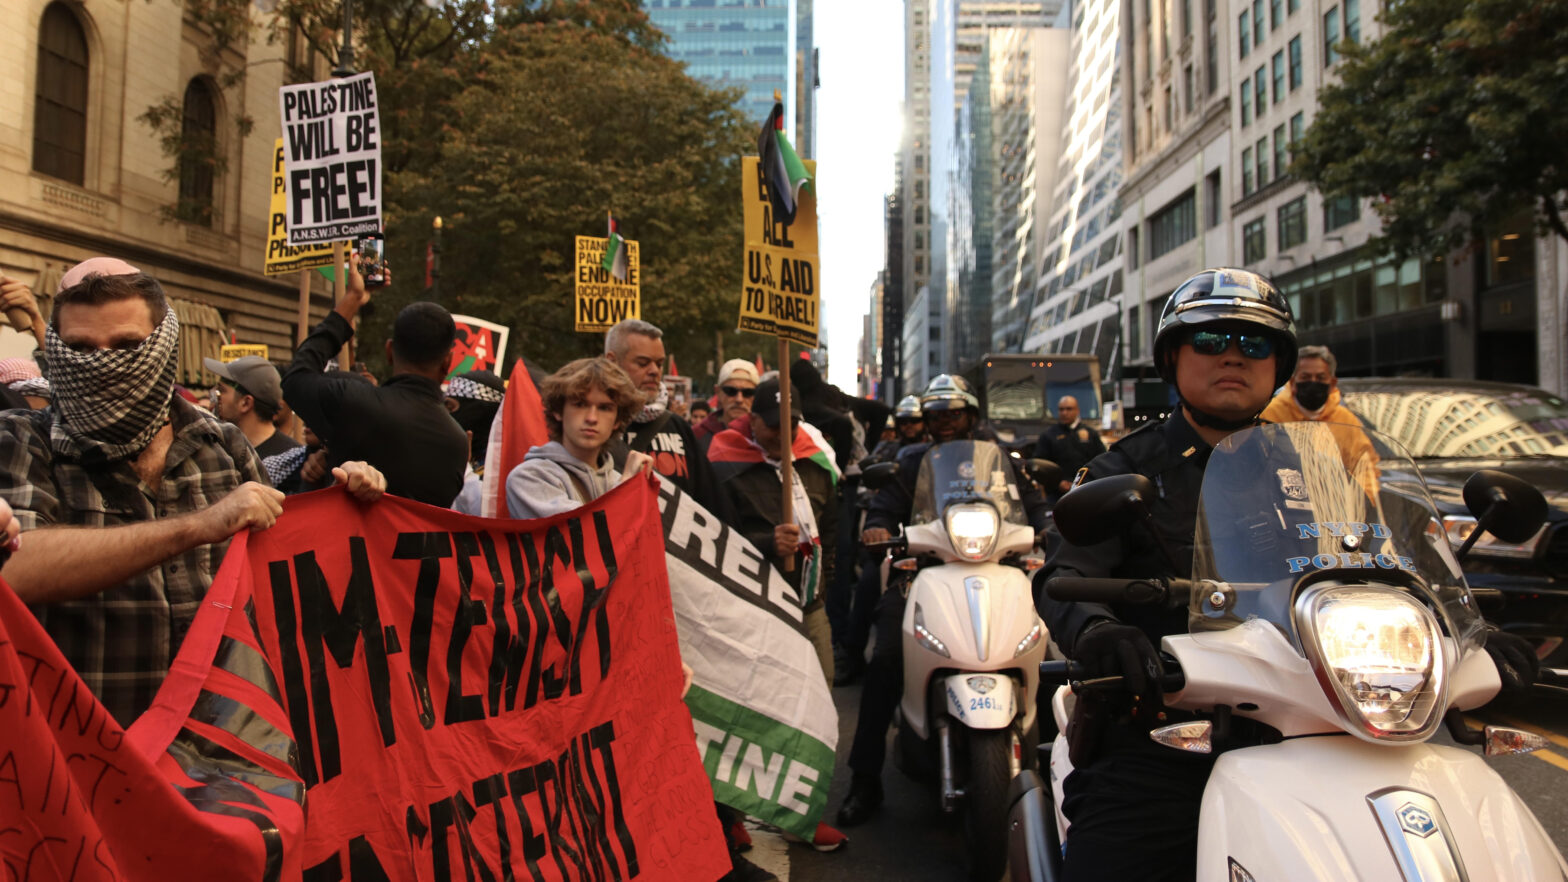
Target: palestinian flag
[(615, 251), (519, 426), (733, 445), (783, 171)]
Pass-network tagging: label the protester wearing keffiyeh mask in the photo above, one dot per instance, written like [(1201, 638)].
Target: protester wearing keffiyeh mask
[(473, 398)]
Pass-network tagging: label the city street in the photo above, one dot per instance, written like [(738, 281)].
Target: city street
[(910, 838)]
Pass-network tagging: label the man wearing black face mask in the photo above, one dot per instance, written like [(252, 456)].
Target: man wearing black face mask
[(1313, 394)]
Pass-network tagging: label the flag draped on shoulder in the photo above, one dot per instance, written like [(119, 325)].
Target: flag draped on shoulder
[(518, 427), (615, 250), (782, 169), (736, 446)]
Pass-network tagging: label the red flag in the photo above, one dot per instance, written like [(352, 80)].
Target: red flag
[(518, 428), (760, 369), (673, 371)]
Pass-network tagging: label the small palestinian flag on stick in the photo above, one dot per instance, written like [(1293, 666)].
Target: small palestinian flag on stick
[(615, 251), (783, 171)]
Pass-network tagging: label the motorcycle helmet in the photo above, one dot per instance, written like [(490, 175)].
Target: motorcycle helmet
[(948, 392), (1226, 295), (908, 409)]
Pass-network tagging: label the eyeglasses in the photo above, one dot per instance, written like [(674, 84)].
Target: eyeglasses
[(731, 391), (1255, 346)]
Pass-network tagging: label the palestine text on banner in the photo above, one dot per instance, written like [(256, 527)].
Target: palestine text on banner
[(764, 714), (453, 692), (780, 295), (281, 256), (332, 157), (603, 300)]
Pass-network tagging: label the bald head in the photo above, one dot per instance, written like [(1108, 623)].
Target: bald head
[(1067, 410)]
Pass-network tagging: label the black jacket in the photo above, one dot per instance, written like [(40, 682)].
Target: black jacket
[(677, 455), (756, 498), (1070, 448), (401, 427), (1173, 456)]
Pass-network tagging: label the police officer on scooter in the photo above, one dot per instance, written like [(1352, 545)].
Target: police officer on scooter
[(1226, 340), (951, 413)]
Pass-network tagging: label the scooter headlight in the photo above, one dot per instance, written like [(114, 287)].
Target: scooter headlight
[(972, 529), (1377, 653)]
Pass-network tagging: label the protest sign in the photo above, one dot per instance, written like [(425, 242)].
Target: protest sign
[(281, 256), (332, 159), (457, 695), (479, 346), (231, 351), (764, 714), (780, 296), (603, 300)]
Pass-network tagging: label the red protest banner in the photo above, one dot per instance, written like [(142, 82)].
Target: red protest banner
[(461, 696)]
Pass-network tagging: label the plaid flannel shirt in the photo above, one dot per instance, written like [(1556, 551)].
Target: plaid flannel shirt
[(122, 640)]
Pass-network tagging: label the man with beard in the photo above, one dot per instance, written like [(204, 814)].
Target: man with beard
[(128, 493)]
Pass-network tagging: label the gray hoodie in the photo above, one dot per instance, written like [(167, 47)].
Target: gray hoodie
[(541, 485)]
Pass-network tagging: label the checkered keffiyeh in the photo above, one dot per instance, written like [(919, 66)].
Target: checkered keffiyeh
[(112, 401), (282, 466), (462, 387), (37, 387)]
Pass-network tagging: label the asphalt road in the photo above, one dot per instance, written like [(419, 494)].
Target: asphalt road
[(911, 839)]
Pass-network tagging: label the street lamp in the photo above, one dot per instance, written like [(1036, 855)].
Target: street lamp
[(435, 260), (345, 66)]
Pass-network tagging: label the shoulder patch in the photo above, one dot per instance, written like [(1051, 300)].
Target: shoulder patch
[(1078, 478)]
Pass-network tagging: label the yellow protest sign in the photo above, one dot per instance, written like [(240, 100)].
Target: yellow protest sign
[(780, 295), (281, 256), (601, 299), (229, 352)]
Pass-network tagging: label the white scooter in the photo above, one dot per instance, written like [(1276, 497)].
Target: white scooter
[(971, 637), (1327, 611)]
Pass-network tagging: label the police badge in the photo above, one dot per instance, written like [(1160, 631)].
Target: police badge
[(1294, 487)]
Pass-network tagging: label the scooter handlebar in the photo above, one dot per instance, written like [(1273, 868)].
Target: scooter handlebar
[(1101, 590)]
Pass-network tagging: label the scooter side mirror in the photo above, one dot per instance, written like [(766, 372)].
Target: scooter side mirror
[(1504, 505), (880, 475), (1102, 508), (1044, 472)]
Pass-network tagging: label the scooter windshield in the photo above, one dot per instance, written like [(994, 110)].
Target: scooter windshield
[(965, 471), (1290, 502)]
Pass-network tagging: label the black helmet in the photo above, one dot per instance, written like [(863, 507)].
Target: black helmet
[(948, 392), (908, 409), (1231, 295)]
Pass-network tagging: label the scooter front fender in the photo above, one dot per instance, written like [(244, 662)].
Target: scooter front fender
[(981, 701), (1336, 807)]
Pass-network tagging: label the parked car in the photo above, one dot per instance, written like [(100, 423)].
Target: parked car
[(1454, 427)]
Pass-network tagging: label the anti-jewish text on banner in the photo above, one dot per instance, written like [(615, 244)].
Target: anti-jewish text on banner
[(479, 345), (602, 299), (764, 714), (779, 294), (281, 256), (332, 159), (458, 695)]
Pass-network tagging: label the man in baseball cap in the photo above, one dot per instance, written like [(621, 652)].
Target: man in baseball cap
[(250, 391), (733, 394)]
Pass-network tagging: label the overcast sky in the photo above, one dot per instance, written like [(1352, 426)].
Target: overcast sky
[(860, 46)]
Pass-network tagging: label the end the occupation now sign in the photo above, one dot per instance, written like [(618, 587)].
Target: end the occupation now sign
[(332, 159)]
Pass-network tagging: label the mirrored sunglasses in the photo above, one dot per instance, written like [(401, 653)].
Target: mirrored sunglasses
[(1216, 342), (732, 391)]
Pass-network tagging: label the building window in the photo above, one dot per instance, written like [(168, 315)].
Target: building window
[(1246, 171), (920, 264), (1170, 104), (1293, 223), (1186, 18), (1133, 254), (1295, 62), (198, 133), (1260, 87), (60, 99), (1298, 126), (920, 214), (1213, 58), (1353, 20), (1258, 29), (1277, 69), (1279, 151), (1187, 88), (1244, 28), (1246, 104), (1213, 198), (920, 240), (1262, 155), (920, 162), (1275, 13), (1291, 6), (1173, 225), (1340, 211), (1253, 246), (1330, 35)]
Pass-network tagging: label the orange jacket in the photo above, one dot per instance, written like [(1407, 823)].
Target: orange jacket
[(1353, 445)]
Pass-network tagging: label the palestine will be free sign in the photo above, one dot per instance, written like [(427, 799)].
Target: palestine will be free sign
[(602, 299), (780, 297), (332, 158)]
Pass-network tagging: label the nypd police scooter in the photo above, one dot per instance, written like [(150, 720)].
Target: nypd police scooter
[(1331, 634)]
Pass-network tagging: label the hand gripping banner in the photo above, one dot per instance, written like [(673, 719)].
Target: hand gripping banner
[(463, 698)]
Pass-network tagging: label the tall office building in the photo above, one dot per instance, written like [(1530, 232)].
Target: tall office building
[(763, 46)]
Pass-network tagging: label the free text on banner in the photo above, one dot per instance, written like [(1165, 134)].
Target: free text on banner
[(780, 295), (281, 256), (602, 299), (457, 694), (332, 157)]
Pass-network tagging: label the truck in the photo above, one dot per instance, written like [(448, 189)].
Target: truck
[(1018, 392)]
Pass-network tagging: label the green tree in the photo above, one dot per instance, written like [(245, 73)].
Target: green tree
[(1452, 122)]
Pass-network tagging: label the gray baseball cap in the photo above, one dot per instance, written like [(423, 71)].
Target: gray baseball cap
[(254, 374)]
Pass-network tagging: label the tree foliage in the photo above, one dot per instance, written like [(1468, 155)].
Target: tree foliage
[(1451, 122)]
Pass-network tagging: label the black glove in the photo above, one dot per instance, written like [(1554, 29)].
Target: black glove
[(1515, 658), (1108, 648)]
